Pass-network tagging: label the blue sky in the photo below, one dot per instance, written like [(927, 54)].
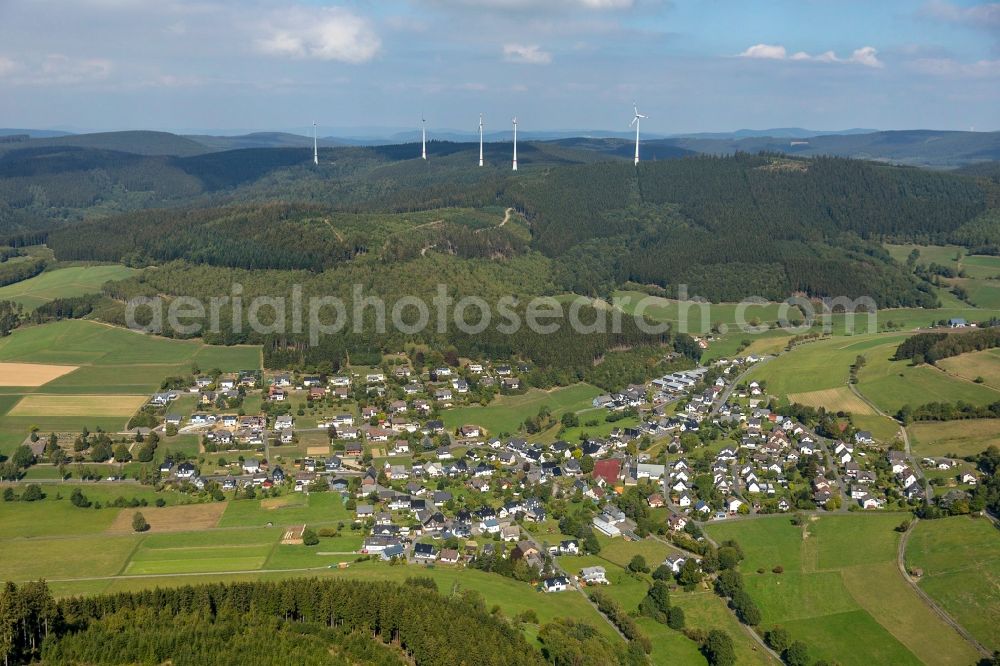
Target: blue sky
[(692, 65)]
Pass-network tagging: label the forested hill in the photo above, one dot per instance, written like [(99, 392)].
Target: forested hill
[(301, 621), (728, 227), (748, 224)]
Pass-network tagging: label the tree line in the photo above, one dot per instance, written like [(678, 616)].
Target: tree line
[(932, 347)]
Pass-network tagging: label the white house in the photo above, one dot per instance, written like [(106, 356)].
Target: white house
[(594, 576), (557, 584)]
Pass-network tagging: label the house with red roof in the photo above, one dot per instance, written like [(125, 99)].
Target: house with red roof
[(608, 470)]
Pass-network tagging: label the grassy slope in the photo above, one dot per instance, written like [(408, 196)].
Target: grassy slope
[(960, 557), (975, 365), (963, 438), (112, 361), (840, 591), (825, 365), (507, 413), (892, 384), (62, 283), (702, 609)]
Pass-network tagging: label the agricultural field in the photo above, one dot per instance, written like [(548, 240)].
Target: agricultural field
[(203, 552), (41, 406), (698, 318), (54, 539), (959, 438), (81, 342), (180, 518), (960, 559), (295, 509), (63, 283), (821, 365), (31, 374), (835, 399), (892, 384), (66, 375), (974, 366), (840, 590), (507, 412), (818, 372)]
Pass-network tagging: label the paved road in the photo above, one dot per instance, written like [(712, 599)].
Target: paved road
[(528, 536), (917, 468), (940, 612), (731, 386)]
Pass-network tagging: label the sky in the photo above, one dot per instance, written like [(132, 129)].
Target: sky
[(690, 65)]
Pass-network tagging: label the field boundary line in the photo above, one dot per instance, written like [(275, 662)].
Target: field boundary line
[(131, 554), (940, 612)]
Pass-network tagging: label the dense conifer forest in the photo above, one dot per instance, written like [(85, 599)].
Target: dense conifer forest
[(727, 227), (572, 221), (304, 621)]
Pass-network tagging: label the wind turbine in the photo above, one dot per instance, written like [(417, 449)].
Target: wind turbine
[(315, 145), (515, 143), (423, 137), (480, 139), (635, 121)]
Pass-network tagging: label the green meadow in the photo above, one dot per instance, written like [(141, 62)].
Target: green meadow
[(980, 271), (960, 559), (81, 342), (63, 283), (112, 362), (825, 364), (840, 591), (892, 384), (961, 438), (507, 412), (294, 509)]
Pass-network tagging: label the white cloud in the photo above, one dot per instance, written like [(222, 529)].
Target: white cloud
[(526, 54), (768, 52), (330, 33), (866, 55)]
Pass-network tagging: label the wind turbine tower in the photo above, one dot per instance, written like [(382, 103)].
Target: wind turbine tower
[(480, 139), (515, 143), (423, 138), (635, 121), (315, 145)]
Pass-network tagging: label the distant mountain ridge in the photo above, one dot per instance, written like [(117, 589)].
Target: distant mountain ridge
[(932, 148), (929, 148), (32, 133), (777, 132), (138, 142)]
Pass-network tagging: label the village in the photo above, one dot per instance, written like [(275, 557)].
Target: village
[(694, 445)]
